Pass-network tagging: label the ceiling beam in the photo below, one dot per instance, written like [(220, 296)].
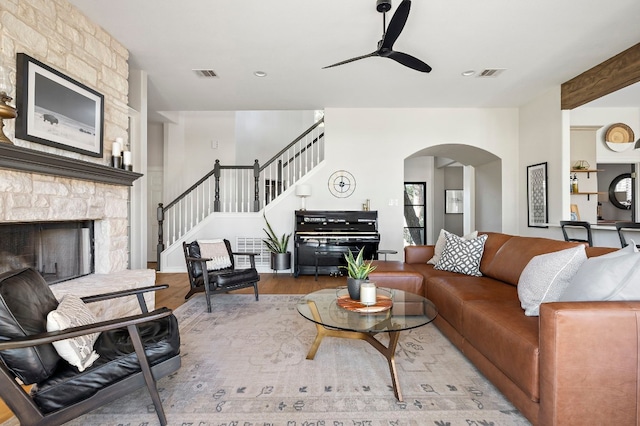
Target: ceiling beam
[(613, 74)]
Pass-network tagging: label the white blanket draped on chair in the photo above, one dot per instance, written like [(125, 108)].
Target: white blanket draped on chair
[(216, 250)]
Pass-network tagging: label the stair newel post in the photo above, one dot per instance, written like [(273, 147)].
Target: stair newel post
[(216, 174), (160, 246), (279, 177), (256, 190)]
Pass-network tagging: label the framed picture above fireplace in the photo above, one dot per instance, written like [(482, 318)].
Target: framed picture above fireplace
[(55, 110)]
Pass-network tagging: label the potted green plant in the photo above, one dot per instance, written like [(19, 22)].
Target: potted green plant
[(280, 256), (358, 271)]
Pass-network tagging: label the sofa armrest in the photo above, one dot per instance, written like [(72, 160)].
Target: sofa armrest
[(589, 363), (52, 336), (418, 254), (138, 292), (252, 257)]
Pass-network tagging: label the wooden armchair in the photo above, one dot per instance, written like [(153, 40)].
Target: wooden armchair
[(218, 280), (133, 352)]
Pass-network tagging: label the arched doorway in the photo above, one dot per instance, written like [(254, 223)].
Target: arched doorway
[(475, 171)]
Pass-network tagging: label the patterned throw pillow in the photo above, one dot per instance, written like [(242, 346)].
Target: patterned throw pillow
[(442, 241), (72, 312), (462, 256)]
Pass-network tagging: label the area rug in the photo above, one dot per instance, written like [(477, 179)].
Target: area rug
[(245, 364)]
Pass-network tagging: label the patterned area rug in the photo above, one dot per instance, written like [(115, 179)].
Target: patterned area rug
[(244, 365)]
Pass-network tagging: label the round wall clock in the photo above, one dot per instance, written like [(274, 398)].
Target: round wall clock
[(342, 184)]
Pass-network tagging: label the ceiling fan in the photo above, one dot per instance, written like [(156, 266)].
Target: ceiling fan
[(389, 37)]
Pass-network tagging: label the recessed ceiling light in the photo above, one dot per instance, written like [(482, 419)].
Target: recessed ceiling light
[(468, 73), (260, 74)]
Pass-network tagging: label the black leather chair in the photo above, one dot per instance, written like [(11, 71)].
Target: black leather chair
[(621, 226), (577, 224), (134, 352), (219, 280)]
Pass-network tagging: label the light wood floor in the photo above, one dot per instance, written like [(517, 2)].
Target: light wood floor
[(281, 283)]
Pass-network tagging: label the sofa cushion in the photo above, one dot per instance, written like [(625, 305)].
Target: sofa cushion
[(512, 257), (72, 312), (462, 256), (25, 301), (499, 331), (450, 294), (117, 360), (442, 242), (546, 276), (495, 240), (613, 276), (398, 275)]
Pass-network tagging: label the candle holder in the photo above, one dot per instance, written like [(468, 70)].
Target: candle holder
[(116, 161), (368, 294)]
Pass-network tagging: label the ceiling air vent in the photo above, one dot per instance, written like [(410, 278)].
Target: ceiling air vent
[(491, 72), (206, 73)]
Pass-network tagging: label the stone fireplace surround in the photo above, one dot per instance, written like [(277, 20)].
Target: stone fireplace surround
[(39, 186)]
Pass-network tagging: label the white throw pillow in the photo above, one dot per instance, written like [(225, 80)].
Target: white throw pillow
[(462, 256), (72, 312), (546, 276), (442, 241), (613, 276)]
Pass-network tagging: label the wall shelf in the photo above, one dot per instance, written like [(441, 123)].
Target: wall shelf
[(588, 194), (14, 157), (587, 171)]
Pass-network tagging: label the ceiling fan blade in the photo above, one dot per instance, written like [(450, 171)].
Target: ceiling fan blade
[(352, 60), (396, 25), (409, 61)]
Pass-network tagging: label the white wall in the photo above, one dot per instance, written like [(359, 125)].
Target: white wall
[(373, 144), (261, 134), (155, 154), (489, 198), (542, 139)]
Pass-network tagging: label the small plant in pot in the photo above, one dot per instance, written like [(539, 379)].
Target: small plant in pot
[(280, 256), (358, 271)]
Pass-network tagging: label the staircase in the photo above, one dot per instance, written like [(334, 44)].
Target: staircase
[(237, 189)]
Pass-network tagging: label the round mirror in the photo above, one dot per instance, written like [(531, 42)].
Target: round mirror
[(620, 193)]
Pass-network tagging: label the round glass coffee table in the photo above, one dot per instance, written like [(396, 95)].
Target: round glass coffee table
[(334, 318)]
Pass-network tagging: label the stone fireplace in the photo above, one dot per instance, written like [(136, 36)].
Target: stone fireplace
[(60, 251), (40, 187)]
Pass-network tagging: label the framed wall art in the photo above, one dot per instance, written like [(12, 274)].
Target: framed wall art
[(537, 195), (56, 110), (453, 201)]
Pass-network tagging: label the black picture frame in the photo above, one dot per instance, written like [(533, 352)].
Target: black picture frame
[(453, 201), (537, 196), (55, 110)]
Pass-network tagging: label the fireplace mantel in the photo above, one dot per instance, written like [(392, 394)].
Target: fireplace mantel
[(28, 160)]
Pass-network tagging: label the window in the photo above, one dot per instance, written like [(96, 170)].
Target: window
[(414, 213)]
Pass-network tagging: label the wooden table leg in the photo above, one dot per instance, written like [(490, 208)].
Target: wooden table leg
[(388, 351)]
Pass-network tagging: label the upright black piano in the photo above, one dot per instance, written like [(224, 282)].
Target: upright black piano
[(322, 237)]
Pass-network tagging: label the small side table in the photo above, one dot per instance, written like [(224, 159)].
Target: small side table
[(386, 252)]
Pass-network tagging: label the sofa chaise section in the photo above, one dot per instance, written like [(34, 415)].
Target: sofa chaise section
[(554, 368)]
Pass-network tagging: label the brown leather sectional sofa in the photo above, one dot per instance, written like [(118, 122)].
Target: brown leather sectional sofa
[(576, 364)]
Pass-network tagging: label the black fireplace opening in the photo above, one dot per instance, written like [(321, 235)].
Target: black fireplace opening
[(60, 251)]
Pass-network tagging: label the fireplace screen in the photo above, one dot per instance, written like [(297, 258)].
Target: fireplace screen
[(58, 250)]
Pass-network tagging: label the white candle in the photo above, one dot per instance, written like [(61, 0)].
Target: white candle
[(368, 293), (116, 148), (126, 158)]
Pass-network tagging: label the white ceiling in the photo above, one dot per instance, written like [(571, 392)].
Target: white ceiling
[(541, 44)]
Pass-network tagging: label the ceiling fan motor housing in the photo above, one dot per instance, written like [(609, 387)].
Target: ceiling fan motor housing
[(383, 5)]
